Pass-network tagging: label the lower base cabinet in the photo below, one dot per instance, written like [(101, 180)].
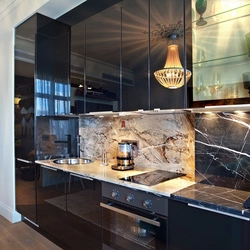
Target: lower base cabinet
[(51, 204), (195, 229), (69, 212), (84, 213)]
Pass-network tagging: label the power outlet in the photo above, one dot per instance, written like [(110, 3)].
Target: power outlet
[(45, 137), (135, 144)]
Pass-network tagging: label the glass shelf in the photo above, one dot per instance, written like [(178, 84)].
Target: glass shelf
[(221, 16), (223, 61), (220, 48)]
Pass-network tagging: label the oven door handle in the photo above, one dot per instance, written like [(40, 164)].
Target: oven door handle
[(135, 216)]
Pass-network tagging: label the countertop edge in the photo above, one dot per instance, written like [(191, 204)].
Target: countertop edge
[(210, 202), (179, 189)]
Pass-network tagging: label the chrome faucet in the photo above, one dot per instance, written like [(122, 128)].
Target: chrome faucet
[(78, 146)]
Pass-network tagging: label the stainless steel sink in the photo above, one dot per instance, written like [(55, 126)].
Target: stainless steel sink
[(72, 161)]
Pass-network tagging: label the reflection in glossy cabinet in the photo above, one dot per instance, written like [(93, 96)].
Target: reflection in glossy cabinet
[(51, 204), (115, 53), (40, 40), (69, 211), (84, 213)]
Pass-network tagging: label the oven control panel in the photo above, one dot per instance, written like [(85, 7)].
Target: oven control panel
[(137, 198)]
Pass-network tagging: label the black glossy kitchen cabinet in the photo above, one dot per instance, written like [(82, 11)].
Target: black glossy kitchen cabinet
[(84, 214), (69, 211), (51, 204), (194, 229), (52, 69), (117, 47), (41, 89)]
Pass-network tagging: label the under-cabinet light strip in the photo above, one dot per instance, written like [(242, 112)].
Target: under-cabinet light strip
[(230, 107)]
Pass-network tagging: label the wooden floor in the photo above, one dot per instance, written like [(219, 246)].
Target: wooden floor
[(21, 236)]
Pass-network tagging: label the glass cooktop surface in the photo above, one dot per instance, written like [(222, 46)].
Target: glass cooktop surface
[(153, 177)]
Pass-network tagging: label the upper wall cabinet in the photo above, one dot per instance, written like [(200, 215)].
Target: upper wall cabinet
[(42, 65), (117, 47), (221, 49), (52, 68)]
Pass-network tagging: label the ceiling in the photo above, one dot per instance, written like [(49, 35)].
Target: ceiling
[(108, 29)]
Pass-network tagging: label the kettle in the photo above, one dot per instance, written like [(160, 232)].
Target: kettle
[(125, 150), (125, 156)]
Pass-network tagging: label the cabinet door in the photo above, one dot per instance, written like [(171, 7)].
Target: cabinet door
[(194, 229), (95, 57), (26, 182), (135, 55), (52, 69), (163, 24), (84, 213), (117, 52), (102, 60), (37, 38), (220, 52), (51, 204)]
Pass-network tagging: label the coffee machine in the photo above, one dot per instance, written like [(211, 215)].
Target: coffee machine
[(125, 156)]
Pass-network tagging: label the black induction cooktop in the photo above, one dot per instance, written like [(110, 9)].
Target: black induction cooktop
[(153, 177)]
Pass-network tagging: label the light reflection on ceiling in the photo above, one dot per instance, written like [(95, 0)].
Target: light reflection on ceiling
[(128, 21)]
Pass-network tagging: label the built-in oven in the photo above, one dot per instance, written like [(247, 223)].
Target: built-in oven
[(133, 219)]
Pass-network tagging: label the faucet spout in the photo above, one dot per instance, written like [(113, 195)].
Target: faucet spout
[(78, 146), (69, 144)]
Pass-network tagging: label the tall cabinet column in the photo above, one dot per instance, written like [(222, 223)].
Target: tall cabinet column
[(42, 51)]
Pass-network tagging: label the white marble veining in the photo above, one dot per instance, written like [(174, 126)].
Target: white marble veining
[(222, 149), (166, 141), (105, 173)]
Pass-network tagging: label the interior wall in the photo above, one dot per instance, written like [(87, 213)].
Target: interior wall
[(7, 173), (9, 19)]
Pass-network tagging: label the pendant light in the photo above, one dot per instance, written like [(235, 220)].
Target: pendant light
[(173, 75)]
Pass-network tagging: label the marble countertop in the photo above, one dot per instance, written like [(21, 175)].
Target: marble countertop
[(216, 199), (105, 173), (213, 198)]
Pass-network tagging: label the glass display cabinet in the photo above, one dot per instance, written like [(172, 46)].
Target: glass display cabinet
[(221, 51)]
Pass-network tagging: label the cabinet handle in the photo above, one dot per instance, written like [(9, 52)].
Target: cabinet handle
[(32, 222), (219, 212), (135, 216), (22, 160), (53, 169), (82, 176)]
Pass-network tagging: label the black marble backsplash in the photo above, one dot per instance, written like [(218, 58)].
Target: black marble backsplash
[(222, 150)]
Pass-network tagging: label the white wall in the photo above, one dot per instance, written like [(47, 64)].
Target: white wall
[(9, 19)]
